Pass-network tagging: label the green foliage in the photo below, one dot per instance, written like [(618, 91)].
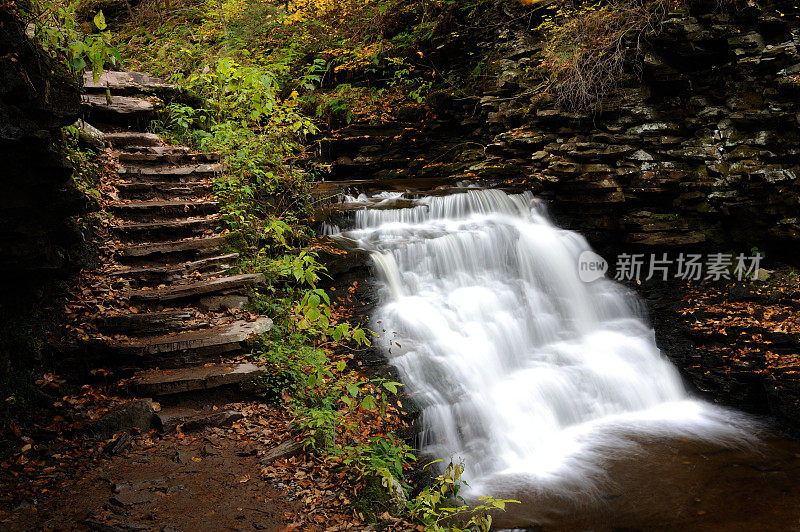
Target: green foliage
[(439, 507), (335, 108), (57, 31), (403, 77), (382, 457), (86, 174)]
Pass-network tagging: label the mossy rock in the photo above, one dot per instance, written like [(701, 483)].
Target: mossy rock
[(373, 500)]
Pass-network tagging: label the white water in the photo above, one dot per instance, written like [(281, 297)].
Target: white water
[(522, 370)]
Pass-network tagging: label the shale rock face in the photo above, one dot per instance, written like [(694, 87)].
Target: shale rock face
[(701, 147), (37, 98)]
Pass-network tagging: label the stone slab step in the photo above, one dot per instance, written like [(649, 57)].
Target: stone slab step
[(199, 288), (171, 381), (125, 82), (179, 228), (164, 209), (166, 156), (233, 333), (133, 138), (191, 419), (147, 322), (205, 169), (120, 105), (152, 250), (149, 189), (168, 274)]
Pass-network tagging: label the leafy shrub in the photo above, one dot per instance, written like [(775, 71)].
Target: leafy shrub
[(440, 507), (57, 31)]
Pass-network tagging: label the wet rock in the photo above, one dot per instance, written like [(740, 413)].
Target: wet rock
[(101, 527), (397, 496), (191, 420), (130, 498)]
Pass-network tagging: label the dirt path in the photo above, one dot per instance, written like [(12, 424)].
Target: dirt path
[(207, 481)]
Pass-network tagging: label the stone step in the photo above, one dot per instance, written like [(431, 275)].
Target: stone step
[(125, 82), (164, 209), (200, 288), (154, 189), (124, 139), (170, 172), (173, 228), (171, 381), (193, 419), (147, 323), (167, 155), (163, 250), (224, 338), (120, 107), (155, 275)]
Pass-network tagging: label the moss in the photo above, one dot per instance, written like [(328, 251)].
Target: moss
[(672, 218), (373, 500)]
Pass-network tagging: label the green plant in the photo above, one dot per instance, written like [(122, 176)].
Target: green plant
[(56, 30), (439, 507), (381, 457)]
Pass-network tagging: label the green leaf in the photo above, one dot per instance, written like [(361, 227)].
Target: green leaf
[(360, 337), (117, 56), (100, 20), (391, 386), (341, 365), (353, 389), (369, 403), (312, 314)]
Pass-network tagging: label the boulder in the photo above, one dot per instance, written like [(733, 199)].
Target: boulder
[(136, 415)]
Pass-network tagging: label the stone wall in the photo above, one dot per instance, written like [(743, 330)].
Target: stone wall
[(700, 146)]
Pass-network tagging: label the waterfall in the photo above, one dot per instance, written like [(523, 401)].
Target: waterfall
[(519, 367)]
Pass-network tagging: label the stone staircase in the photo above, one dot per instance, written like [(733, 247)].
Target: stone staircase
[(172, 318)]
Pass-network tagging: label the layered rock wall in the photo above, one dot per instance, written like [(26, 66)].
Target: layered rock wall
[(701, 146)]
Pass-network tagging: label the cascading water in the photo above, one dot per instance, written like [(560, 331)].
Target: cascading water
[(521, 369)]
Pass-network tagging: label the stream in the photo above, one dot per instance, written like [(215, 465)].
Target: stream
[(551, 390)]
